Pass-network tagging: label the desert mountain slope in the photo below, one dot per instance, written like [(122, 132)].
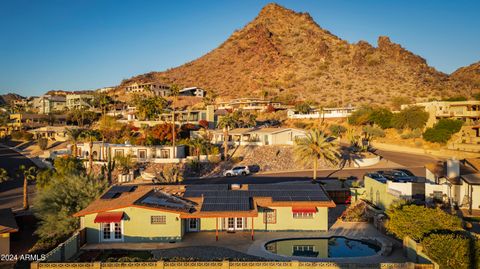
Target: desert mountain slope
[(285, 55)]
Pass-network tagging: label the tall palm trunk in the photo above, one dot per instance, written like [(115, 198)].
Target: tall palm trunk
[(225, 143), (90, 156), (25, 193), (315, 167), (74, 149), (173, 134)]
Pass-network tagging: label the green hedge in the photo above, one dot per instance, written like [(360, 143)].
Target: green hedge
[(418, 221), (443, 130), (452, 250)]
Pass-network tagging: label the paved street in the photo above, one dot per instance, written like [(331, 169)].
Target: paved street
[(412, 162), (11, 192)]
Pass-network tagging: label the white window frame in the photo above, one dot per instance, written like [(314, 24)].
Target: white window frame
[(303, 215), (112, 232)]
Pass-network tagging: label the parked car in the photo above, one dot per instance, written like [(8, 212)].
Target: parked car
[(397, 176), (406, 171), (377, 176), (237, 171)]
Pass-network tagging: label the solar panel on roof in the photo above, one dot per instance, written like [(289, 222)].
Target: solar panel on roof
[(121, 189), (207, 187), (226, 207), (110, 195)]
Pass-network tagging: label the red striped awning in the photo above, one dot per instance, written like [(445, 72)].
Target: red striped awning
[(304, 209), (108, 217)]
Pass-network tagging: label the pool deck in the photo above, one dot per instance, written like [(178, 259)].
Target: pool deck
[(241, 241)]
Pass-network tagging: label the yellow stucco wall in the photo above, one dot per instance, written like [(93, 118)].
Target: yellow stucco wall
[(5, 243), (137, 226), (376, 192), (286, 222)]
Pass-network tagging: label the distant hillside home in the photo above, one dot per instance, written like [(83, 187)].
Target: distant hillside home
[(157, 154), (156, 88), (46, 104), (79, 101), (53, 133), (455, 182), (105, 89), (167, 213), (20, 121), (468, 111), (181, 117), (248, 104), (259, 136), (325, 113), (467, 139), (193, 91)]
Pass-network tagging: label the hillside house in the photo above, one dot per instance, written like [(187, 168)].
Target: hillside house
[(258, 136), (467, 111), (157, 154), (165, 213), (248, 104), (193, 91), (46, 104), (79, 101), (324, 113), (156, 88)]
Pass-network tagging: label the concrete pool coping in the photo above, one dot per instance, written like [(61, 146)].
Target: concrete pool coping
[(259, 249)]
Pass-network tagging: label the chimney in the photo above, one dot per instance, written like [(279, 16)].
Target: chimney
[(453, 168)]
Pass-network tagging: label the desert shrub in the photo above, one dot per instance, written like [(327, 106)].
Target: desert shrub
[(300, 125), (373, 131), (442, 131), (360, 116), (449, 250), (368, 115), (398, 101), (412, 134), (356, 212), (337, 130), (411, 118), (418, 221), (21, 135), (382, 117), (455, 98), (42, 143), (303, 108)]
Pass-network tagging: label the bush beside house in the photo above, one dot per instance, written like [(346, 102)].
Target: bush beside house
[(442, 131)]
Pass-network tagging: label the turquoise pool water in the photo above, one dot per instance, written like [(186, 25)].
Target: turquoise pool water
[(332, 247)]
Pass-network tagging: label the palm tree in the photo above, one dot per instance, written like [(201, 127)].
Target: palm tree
[(125, 162), (175, 91), (317, 146), (74, 135), (90, 136), (3, 175), (29, 173), (226, 122)]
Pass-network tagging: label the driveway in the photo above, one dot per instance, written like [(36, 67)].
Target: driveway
[(11, 192), (390, 159)]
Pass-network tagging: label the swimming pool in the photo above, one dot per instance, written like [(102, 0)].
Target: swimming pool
[(331, 247)]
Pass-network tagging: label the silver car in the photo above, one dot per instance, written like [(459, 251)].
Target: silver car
[(237, 171)]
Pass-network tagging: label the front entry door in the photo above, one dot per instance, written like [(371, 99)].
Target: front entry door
[(193, 225), (235, 224)]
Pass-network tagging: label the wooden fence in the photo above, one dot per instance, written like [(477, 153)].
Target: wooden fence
[(229, 265)]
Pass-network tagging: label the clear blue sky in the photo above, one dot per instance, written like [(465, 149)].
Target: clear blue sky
[(84, 44)]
